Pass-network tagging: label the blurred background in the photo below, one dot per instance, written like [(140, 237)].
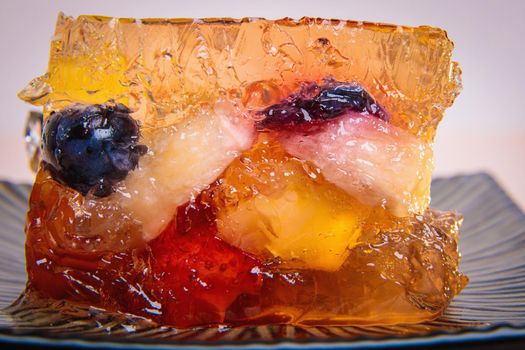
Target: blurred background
[(483, 131)]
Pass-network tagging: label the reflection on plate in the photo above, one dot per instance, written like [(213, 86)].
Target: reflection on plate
[(493, 304)]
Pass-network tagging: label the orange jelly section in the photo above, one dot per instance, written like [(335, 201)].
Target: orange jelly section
[(401, 270), (379, 269)]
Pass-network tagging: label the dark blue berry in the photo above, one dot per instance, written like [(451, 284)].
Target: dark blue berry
[(91, 148), (317, 103)]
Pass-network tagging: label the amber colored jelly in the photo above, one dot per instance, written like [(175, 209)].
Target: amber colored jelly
[(188, 276)]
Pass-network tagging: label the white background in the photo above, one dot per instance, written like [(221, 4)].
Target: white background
[(483, 131)]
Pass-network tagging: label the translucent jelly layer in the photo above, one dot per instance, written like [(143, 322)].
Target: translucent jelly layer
[(163, 68)]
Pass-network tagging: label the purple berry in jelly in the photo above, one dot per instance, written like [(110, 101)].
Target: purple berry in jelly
[(91, 148), (327, 102)]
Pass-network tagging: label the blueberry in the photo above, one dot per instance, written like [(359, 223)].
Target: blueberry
[(326, 102), (91, 147)]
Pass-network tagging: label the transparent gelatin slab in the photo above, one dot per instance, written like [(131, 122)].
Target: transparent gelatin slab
[(222, 171)]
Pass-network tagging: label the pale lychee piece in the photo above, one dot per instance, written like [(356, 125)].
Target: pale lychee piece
[(375, 162), (183, 160)]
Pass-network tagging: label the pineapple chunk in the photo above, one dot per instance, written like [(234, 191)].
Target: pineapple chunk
[(305, 222), (184, 159)]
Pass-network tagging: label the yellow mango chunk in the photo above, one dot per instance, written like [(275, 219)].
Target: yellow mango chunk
[(305, 222)]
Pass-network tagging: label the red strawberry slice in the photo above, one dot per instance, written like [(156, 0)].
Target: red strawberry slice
[(199, 276)]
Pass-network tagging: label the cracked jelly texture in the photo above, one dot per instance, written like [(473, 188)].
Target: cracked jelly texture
[(224, 223), (163, 67)]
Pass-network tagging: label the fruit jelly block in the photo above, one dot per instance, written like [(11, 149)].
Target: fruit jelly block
[(212, 171)]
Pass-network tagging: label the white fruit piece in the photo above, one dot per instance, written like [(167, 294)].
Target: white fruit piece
[(183, 160), (375, 162)]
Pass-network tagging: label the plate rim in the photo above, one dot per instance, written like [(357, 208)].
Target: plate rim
[(464, 336)]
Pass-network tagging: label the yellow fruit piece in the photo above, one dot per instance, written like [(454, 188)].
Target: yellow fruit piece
[(307, 223), (303, 233)]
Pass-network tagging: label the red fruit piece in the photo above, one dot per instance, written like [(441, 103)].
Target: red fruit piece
[(199, 276)]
